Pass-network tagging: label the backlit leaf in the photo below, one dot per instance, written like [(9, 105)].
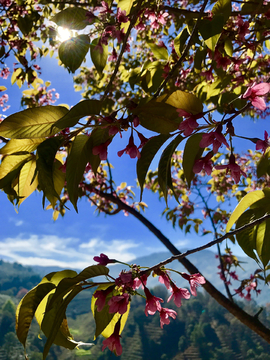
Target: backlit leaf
[(27, 308), (157, 116), (32, 123), (148, 153), (72, 52), (192, 152), (21, 145), (12, 162), (243, 205), (211, 30), (183, 100), (99, 55), (46, 153), (180, 41), (68, 283), (125, 5), (27, 181), (159, 52), (72, 18), (80, 110), (164, 166)]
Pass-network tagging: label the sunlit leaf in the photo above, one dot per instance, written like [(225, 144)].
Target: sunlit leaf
[(72, 52), (66, 284), (32, 123), (27, 308), (159, 117), (80, 110), (21, 145), (125, 5), (164, 166), (147, 155), (243, 205), (183, 100), (27, 181), (159, 52), (99, 54), (180, 41), (192, 152), (46, 153), (72, 18)]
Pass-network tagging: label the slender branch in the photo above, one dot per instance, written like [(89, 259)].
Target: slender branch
[(216, 235), (211, 243), (185, 52), (248, 320), (131, 25)]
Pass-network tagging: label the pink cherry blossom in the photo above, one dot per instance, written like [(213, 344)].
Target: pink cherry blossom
[(113, 342), (121, 16), (189, 124), (214, 137), (131, 149), (101, 296), (203, 163), (103, 259), (195, 280), (263, 144), (152, 303), (235, 169), (140, 282), (118, 304), (164, 279), (178, 294), (254, 93), (102, 150), (165, 314)]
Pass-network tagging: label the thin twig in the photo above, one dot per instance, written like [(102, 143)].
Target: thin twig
[(131, 25), (185, 52)]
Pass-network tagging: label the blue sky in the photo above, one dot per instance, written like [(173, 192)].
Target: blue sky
[(32, 238)]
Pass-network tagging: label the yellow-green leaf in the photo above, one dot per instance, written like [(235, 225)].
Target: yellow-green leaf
[(32, 123), (243, 205), (183, 100), (20, 145), (27, 181)]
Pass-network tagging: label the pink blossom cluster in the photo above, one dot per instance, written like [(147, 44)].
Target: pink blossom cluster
[(117, 296)]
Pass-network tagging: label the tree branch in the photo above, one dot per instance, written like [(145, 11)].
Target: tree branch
[(250, 321), (185, 52), (131, 25)]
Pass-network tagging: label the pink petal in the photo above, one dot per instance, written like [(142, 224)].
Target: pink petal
[(259, 103), (261, 89)]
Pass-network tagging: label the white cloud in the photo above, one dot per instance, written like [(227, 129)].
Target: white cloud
[(51, 250), (16, 222)]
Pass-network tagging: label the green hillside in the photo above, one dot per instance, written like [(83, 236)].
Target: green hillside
[(202, 330)]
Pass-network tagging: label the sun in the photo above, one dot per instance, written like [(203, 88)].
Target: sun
[(63, 34)]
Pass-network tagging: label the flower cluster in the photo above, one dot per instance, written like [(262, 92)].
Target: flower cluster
[(117, 296)]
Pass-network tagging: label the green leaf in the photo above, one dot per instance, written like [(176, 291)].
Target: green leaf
[(157, 116), (147, 155), (247, 238), (164, 166), (263, 166), (66, 284), (20, 145), (224, 8), (243, 205), (80, 110), (183, 100), (27, 180), (180, 41), (46, 152), (159, 51), (125, 5), (27, 308), (211, 30), (25, 24), (72, 18), (192, 152), (99, 55), (109, 329), (11, 163), (76, 163), (103, 317), (32, 123), (54, 324), (72, 52)]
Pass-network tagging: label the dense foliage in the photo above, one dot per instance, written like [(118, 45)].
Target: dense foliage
[(164, 74)]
